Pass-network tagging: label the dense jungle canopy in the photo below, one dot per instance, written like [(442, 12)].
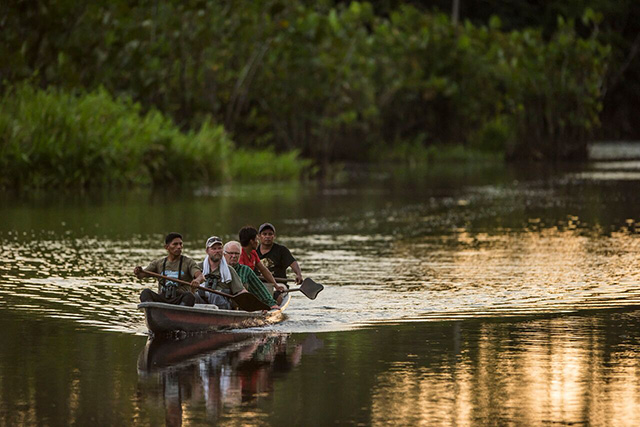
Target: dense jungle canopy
[(97, 92)]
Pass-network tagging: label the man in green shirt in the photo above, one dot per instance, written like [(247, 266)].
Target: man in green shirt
[(247, 276), (173, 265)]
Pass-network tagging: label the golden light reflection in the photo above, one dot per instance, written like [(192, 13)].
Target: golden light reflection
[(545, 270), (463, 273), (544, 373)]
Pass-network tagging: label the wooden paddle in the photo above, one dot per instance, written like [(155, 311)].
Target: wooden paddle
[(309, 288), (245, 300), (277, 279)]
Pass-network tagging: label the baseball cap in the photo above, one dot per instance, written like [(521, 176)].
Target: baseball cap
[(212, 241), (266, 225)]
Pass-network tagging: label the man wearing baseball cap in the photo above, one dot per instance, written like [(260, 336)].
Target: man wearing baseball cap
[(218, 276), (277, 258)]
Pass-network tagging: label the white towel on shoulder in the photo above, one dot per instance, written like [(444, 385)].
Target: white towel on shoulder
[(225, 274)]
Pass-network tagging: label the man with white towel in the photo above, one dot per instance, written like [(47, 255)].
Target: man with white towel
[(218, 276)]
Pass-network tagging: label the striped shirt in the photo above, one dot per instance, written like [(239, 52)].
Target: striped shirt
[(254, 285)]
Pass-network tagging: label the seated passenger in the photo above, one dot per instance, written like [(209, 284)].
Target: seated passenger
[(173, 265), (249, 279), (218, 276), (248, 237)]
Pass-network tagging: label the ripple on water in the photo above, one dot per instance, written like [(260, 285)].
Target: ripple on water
[(369, 279)]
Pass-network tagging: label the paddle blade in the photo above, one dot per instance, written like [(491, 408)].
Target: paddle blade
[(310, 288), (249, 302)]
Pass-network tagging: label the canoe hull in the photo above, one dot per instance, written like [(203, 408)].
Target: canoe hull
[(163, 318)]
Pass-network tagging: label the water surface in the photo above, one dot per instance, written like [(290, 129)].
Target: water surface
[(453, 296)]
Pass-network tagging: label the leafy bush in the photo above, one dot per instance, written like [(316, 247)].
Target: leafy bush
[(252, 165), (57, 138), (332, 80)]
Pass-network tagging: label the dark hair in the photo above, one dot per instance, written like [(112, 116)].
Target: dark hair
[(247, 234), (171, 236)]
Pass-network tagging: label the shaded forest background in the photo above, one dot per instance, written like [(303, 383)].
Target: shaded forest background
[(619, 27), (119, 91)]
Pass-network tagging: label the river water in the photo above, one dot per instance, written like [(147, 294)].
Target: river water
[(454, 295)]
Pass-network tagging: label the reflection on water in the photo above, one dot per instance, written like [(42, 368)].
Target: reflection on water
[(569, 370), (203, 377), (542, 268), (536, 370), (453, 296)]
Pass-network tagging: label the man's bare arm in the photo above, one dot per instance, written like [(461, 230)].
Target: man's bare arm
[(296, 269)]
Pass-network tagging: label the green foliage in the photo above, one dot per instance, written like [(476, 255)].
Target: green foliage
[(57, 138), (492, 90), (327, 81), (415, 153), (253, 165), (554, 92), (493, 136), (408, 151)]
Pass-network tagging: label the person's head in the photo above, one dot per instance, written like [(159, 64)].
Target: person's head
[(247, 237), (213, 247), (267, 233), (173, 244), (232, 252)]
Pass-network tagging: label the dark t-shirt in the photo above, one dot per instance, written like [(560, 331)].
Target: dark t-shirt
[(277, 260)]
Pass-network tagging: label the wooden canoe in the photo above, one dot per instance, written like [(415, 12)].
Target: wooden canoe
[(164, 318)]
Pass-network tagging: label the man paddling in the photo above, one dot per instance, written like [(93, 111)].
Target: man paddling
[(173, 265), (277, 258), (249, 279), (218, 276), (248, 237)]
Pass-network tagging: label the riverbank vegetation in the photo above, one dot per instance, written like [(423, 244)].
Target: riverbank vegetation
[(182, 91), (53, 138)]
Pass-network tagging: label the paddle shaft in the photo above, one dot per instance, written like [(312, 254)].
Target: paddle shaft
[(184, 282), (280, 280), (277, 279)]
